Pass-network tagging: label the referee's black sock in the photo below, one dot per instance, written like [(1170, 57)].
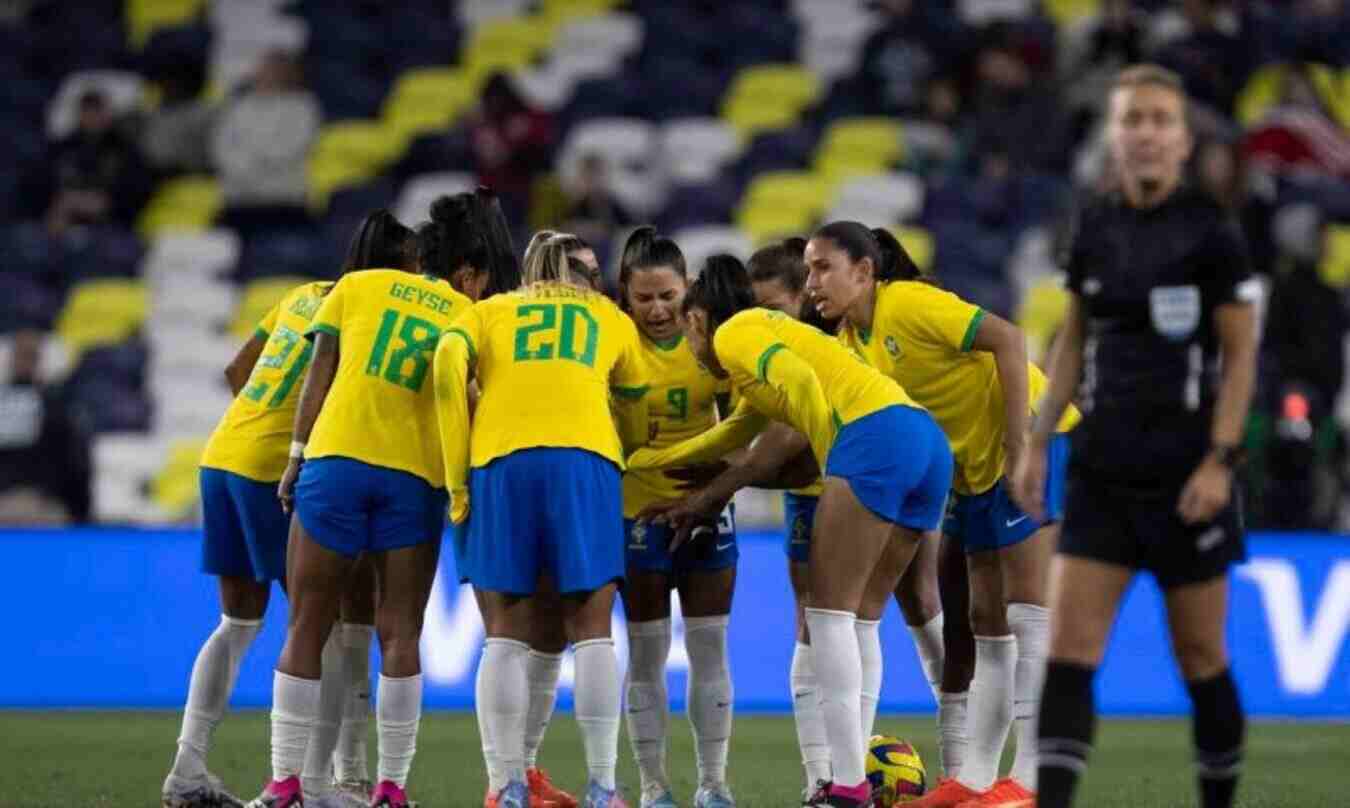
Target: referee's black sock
[(1217, 728), (1068, 719)]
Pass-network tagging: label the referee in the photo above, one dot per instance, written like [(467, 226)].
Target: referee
[(1160, 341)]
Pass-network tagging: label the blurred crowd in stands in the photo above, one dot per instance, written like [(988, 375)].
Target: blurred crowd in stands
[(130, 124)]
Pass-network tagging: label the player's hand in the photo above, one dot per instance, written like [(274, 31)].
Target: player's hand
[(286, 488), (1028, 482), (1207, 492), (692, 478)]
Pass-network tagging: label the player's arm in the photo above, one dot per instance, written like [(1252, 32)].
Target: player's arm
[(451, 370), (239, 368), (318, 381), (628, 389), (802, 396), (761, 466), (724, 437), (1235, 324), (1008, 344), (1064, 372)]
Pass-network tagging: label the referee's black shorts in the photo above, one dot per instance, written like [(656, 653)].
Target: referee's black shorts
[(1140, 529)]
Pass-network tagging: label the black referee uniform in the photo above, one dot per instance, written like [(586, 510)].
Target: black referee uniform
[(1149, 281)]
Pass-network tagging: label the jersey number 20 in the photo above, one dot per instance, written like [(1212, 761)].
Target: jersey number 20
[(540, 337)]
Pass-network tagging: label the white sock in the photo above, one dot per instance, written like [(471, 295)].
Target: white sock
[(350, 760), (709, 695), (928, 642), (952, 735), (209, 689), (595, 700), (317, 777), (502, 697), (990, 709), (295, 708), (810, 722), (1031, 625), (869, 652), (835, 658), (542, 671), (648, 713), (398, 711)]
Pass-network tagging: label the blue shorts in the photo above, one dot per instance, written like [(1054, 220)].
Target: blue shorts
[(540, 510), (352, 507), (647, 545), (459, 538), (799, 513), (245, 529), (991, 520), (897, 463)]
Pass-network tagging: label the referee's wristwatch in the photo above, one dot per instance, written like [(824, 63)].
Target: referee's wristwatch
[(1229, 456)]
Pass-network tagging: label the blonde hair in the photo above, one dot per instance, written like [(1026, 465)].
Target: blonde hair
[(1149, 75), (537, 241), (547, 261)]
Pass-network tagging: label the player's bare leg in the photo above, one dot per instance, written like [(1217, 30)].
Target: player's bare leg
[(705, 599)]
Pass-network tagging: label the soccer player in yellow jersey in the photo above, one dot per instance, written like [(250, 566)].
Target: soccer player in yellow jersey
[(969, 369), (366, 476), (244, 538), (682, 401), (887, 471), (561, 402)]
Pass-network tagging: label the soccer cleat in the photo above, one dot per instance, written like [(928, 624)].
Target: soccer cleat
[(1005, 793), (514, 794), (656, 795), (833, 795), (598, 797), (280, 794), (716, 796), (949, 793), (547, 794), (388, 795), (202, 792)]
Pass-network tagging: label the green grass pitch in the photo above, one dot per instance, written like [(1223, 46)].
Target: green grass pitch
[(118, 759)]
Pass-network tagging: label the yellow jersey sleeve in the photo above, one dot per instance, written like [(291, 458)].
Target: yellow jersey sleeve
[(730, 434), (451, 369), (628, 390), (268, 323), (924, 312), (328, 318)]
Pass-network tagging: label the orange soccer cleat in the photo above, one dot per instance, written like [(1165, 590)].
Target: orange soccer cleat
[(549, 795), (1005, 793), (950, 793)]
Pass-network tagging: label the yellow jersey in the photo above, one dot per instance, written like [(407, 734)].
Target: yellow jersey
[(253, 438), (786, 371), (921, 336), (549, 359), (681, 403), (381, 407)]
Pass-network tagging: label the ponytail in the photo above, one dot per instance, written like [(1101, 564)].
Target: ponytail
[(722, 290), (469, 229), (380, 242), (890, 261), (647, 249)]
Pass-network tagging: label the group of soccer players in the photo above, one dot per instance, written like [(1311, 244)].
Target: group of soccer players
[(586, 448)]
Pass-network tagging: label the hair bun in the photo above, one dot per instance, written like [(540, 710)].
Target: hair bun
[(446, 209)]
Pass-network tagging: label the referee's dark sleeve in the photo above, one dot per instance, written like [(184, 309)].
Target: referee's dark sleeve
[(1067, 252), (1229, 265)]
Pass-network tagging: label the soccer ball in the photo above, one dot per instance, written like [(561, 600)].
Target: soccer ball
[(895, 771)]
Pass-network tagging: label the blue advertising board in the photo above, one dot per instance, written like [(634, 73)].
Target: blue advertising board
[(114, 618)]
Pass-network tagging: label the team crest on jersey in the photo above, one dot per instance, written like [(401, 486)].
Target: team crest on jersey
[(892, 347), (1175, 310)]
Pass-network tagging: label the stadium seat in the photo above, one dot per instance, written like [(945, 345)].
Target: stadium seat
[(123, 91), (101, 312), (1041, 312), (202, 304), (174, 489), (629, 147), (550, 85), (788, 190), (188, 352), (892, 198), (123, 465), (144, 17), (427, 99), (918, 242), (258, 297), (473, 13), (697, 243), (695, 149), (977, 13), (878, 139), (201, 256), (768, 97), (1334, 268), (1067, 12), (182, 205), (708, 202), (414, 201), (349, 153), (618, 35), (505, 44)]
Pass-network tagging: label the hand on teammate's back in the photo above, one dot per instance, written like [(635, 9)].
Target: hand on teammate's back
[(1206, 493)]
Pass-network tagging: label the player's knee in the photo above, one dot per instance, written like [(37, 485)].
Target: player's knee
[(987, 618), (1081, 640), (1200, 657), (919, 602)]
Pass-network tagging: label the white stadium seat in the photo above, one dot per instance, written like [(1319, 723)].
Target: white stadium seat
[(628, 146), (695, 149), (198, 256), (123, 91), (697, 243), (414, 201), (123, 465), (895, 197), (619, 34)]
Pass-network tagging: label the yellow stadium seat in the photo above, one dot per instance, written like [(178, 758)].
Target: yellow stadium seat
[(1335, 91), (480, 63), (789, 189), (918, 242), (182, 205), (571, 9), (144, 17), (839, 167), (1334, 268), (1264, 88), (349, 152), (102, 312), (1067, 12), (764, 223), (257, 299), (790, 85), (436, 87), (175, 488), (1041, 313), (750, 116), (878, 138)]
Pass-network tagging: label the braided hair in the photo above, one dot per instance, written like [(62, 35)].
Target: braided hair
[(722, 290), (380, 242)]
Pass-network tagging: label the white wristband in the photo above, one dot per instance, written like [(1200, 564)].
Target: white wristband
[(297, 450)]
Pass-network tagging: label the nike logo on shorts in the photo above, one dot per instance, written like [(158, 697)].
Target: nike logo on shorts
[(1016, 521), (726, 546), (1209, 539)]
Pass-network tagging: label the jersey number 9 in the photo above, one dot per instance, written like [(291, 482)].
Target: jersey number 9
[(407, 364), (539, 337)]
